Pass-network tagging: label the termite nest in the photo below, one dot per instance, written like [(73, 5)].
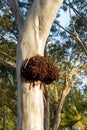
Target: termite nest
[(39, 68)]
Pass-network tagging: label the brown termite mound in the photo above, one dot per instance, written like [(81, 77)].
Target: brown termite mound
[(39, 68)]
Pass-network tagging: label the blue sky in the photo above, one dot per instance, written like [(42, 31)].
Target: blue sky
[(64, 17)]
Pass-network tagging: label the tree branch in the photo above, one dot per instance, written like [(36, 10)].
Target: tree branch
[(60, 106), (74, 82), (65, 92), (71, 6), (2, 5), (74, 66), (75, 36), (16, 13), (81, 44), (5, 54), (71, 33), (8, 66)]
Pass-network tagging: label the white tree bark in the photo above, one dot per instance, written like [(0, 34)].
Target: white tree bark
[(32, 40), (33, 109)]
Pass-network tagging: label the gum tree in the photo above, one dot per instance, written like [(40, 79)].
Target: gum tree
[(33, 33)]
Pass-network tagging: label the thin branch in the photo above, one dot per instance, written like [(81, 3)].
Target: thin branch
[(83, 66), (12, 31), (76, 61), (2, 38), (85, 5), (78, 38), (75, 36), (75, 33), (71, 6), (81, 43), (2, 5), (74, 66), (74, 82), (71, 33), (5, 54), (9, 65), (16, 13)]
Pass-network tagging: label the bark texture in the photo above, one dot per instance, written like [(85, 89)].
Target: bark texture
[(33, 108), (32, 40)]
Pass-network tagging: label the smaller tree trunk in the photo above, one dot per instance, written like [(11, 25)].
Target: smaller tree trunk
[(58, 115)]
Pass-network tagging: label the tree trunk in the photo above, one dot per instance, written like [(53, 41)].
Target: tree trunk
[(32, 39), (60, 106), (33, 112)]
